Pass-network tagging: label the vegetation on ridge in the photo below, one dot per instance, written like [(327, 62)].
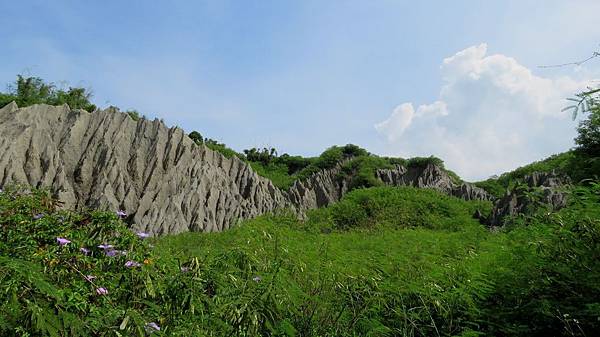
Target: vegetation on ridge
[(283, 169), (358, 164), (26, 91)]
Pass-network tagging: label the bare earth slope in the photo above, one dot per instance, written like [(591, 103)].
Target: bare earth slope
[(157, 174)]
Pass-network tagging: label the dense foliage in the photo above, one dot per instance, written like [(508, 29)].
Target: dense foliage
[(403, 208), (588, 138), (399, 278), (383, 262), (26, 91), (357, 164)]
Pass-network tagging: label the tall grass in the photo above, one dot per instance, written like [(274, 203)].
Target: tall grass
[(418, 266)]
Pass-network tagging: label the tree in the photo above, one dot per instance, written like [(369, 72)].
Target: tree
[(196, 137), (264, 156), (76, 98), (351, 150), (588, 138), (26, 91)]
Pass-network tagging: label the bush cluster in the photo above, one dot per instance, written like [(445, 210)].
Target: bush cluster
[(27, 91), (404, 207)]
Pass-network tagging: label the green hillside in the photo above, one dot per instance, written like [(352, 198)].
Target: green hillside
[(382, 262)]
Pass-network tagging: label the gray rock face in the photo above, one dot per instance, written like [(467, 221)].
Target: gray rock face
[(319, 190), (431, 176), (158, 175), (324, 187), (549, 187), (106, 160)]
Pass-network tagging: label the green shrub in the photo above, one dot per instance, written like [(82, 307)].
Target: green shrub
[(330, 157), (135, 115), (57, 278), (424, 161), (294, 164), (588, 137), (361, 171), (404, 207), (264, 156), (351, 150), (549, 284), (27, 91), (277, 173), (6, 98), (221, 148)]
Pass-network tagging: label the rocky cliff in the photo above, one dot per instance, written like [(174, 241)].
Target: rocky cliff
[(163, 180), (106, 160), (431, 176), (538, 188)]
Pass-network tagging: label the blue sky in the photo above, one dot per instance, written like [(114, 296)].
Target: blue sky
[(456, 79)]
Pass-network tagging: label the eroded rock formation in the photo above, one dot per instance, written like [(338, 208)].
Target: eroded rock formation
[(539, 187), (158, 175), (431, 176), (106, 160)]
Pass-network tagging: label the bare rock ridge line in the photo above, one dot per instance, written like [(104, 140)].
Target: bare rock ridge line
[(166, 182)]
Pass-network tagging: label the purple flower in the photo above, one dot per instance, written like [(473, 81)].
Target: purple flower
[(132, 264), (185, 269), (256, 279), (114, 252), (84, 250), (89, 278), (38, 216), (105, 246), (121, 214), (101, 291), (142, 235), (62, 241), (152, 327), (111, 252)]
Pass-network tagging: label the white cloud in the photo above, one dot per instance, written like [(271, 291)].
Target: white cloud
[(493, 114), (400, 119)]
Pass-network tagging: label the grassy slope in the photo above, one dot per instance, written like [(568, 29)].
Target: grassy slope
[(383, 262), (414, 280)]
